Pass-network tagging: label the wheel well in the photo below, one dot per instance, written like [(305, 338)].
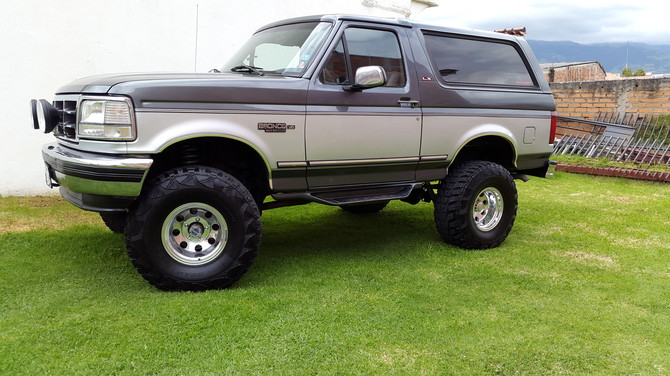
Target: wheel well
[(488, 148), (232, 156)]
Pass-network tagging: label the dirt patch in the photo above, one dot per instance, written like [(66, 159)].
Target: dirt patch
[(589, 229), (39, 201), (627, 200), (24, 214), (7, 203), (591, 259)]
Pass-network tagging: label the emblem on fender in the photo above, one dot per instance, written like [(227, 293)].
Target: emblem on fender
[(275, 127)]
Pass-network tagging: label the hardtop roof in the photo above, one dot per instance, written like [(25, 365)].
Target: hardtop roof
[(391, 21)]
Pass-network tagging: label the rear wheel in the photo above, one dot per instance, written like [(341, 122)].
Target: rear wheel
[(475, 205), (196, 228)]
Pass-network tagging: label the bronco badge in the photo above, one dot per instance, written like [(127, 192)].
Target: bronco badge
[(275, 127)]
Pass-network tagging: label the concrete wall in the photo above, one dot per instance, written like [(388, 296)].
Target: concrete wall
[(575, 72), (46, 44)]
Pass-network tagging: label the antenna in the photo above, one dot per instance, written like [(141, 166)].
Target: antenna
[(627, 48), (197, 16)]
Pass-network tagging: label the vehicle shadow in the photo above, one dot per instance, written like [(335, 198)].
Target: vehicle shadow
[(331, 238), (292, 237)]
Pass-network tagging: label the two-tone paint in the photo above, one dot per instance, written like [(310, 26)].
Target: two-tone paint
[(333, 138)]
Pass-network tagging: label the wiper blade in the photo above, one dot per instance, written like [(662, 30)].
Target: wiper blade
[(248, 68)]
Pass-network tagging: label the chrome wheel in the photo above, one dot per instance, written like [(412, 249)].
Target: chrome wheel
[(475, 205), (488, 209), (194, 233)]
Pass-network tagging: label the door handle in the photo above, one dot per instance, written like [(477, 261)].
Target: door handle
[(406, 102)]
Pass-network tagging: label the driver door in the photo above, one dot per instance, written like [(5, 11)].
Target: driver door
[(363, 137)]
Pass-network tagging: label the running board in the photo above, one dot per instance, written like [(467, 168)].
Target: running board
[(353, 196)]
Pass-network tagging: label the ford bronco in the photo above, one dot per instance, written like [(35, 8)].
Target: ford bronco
[(340, 110)]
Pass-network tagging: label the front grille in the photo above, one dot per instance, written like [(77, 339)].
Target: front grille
[(67, 123)]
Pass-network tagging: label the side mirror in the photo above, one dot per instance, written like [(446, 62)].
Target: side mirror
[(368, 77)]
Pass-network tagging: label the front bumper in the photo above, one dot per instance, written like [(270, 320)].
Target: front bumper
[(93, 181)]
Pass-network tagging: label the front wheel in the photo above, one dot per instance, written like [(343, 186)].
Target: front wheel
[(196, 228), (475, 205), (114, 221)]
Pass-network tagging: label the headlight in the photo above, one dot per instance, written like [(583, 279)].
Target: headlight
[(106, 119)]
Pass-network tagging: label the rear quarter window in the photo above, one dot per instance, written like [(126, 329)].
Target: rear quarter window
[(476, 61)]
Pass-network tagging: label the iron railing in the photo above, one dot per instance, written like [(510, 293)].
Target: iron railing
[(633, 138)]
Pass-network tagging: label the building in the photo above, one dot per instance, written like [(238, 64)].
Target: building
[(571, 72)]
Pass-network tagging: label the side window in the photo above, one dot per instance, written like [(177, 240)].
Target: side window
[(470, 61), (362, 47), (335, 71)]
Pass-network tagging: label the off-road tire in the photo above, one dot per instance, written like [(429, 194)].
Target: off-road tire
[(475, 205), (365, 208), (115, 221), (189, 208)]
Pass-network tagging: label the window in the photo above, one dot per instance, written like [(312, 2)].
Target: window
[(363, 47), (470, 61), (335, 70), (285, 49)]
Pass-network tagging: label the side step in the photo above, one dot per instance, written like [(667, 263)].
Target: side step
[(353, 196)]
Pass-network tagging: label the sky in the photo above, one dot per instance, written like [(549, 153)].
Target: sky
[(581, 21)]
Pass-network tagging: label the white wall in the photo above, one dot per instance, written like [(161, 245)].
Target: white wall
[(45, 44)]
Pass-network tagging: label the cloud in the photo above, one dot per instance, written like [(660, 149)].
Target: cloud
[(582, 21)]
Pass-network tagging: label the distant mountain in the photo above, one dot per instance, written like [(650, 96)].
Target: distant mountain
[(652, 58)]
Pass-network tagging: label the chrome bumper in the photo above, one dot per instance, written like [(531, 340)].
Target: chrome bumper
[(94, 181)]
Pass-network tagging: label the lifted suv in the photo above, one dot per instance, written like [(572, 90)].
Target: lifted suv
[(339, 110)]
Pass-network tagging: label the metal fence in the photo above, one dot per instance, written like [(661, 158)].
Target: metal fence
[(633, 138)]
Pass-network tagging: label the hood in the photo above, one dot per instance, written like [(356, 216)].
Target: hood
[(168, 89), (102, 83)]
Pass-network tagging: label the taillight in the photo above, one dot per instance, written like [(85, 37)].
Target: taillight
[(552, 131)]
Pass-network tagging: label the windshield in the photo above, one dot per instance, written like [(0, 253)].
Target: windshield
[(285, 50)]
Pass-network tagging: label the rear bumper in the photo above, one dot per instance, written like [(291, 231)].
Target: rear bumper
[(94, 181), (534, 164)]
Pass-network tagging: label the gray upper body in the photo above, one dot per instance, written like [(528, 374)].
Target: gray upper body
[(310, 133)]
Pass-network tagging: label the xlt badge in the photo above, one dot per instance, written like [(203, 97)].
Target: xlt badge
[(275, 127)]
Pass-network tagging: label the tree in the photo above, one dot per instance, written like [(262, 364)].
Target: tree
[(628, 72), (639, 72)]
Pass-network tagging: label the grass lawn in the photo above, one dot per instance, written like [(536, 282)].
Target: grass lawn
[(581, 286)]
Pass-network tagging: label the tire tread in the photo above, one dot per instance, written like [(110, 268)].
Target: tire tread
[(452, 207), (191, 177)]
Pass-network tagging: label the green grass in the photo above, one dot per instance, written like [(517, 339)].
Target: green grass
[(581, 286)]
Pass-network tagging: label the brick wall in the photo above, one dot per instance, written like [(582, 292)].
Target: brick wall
[(586, 99), (589, 98)]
